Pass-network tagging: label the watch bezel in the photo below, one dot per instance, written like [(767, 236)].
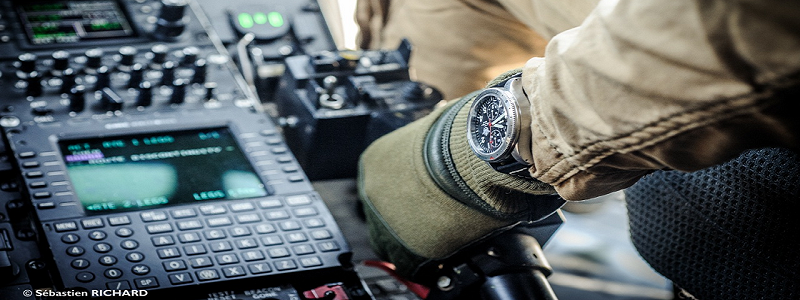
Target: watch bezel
[(509, 102)]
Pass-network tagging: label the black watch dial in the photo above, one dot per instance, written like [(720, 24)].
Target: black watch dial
[(489, 127)]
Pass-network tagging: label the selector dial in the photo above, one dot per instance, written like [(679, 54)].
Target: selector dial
[(27, 64), (127, 57), (94, 59), (170, 23), (60, 62)]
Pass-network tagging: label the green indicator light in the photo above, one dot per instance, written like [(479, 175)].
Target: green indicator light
[(275, 19), (245, 20), (260, 18)]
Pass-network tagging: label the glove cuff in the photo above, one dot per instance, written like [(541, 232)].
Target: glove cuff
[(464, 177)]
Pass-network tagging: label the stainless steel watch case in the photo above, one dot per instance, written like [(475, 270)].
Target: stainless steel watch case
[(505, 159)]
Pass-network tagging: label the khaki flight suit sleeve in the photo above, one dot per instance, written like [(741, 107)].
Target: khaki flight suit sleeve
[(643, 85)]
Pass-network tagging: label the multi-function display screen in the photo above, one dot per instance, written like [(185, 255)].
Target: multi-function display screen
[(143, 171), (63, 22)]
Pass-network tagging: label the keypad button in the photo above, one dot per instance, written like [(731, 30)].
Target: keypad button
[(92, 223), (276, 215), (308, 262), (227, 259), (134, 256), (188, 237), (328, 246), (180, 278), (30, 164), (212, 209), (168, 253), (289, 225), (239, 231), (305, 212), (37, 184), (118, 285), (107, 260), (252, 255), (42, 195), (183, 213), (270, 203), (303, 249), (84, 277), (220, 246), (70, 238), (321, 234), (153, 216), (174, 265), (124, 232), (102, 247), (46, 205), (146, 283), (296, 237), (271, 240), (205, 275), (159, 228), (298, 200), (129, 244), (278, 252), (140, 270), (231, 272), (265, 228), (259, 268), (80, 264), (218, 222), (284, 159), (248, 218), (75, 251), (286, 264), (296, 178), (97, 235), (189, 225), (214, 234), (162, 240), (113, 273), (195, 249), (34, 174), (66, 226), (246, 243), (242, 206), (27, 154), (200, 262), (120, 220)]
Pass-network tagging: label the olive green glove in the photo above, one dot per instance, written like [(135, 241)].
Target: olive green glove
[(426, 195)]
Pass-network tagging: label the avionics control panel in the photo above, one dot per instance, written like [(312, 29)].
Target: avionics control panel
[(141, 161)]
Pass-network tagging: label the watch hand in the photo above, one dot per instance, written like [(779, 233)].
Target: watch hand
[(500, 118)]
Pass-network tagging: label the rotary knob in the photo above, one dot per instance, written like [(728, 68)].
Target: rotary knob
[(178, 92), (60, 62), (27, 64), (67, 80), (103, 78), (34, 88), (94, 59), (199, 71), (145, 97), (77, 98), (159, 55), (127, 58), (137, 75), (168, 73), (170, 23)]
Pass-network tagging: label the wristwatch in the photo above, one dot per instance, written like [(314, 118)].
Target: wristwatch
[(494, 127)]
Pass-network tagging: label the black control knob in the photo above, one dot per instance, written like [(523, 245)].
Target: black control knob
[(127, 58), (170, 23), (110, 100), (168, 73), (137, 75), (77, 98), (145, 97), (178, 92), (159, 55), (27, 64), (103, 78), (67, 80), (210, 87), (189, 56), (199, 71), (34, 88), (94, 59), (60, 62)]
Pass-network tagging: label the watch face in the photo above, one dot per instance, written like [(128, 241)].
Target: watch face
[(491, 125)]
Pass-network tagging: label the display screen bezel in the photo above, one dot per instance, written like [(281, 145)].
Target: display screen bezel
[(26, 40), (66, 139)]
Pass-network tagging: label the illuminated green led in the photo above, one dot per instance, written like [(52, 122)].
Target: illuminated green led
[(275, 19), (245, 20), (260, 18)]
